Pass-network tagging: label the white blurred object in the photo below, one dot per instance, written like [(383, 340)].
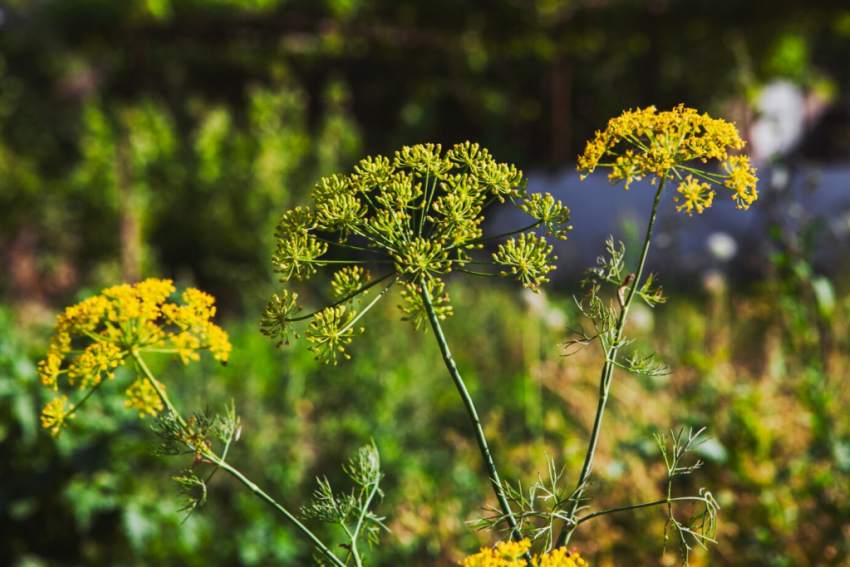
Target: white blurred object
[(534, 302), (641, 317), (555, 319), (781, 120), (722, 246), (714, 283)]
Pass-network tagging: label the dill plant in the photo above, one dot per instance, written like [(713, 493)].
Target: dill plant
[(412, 220), (409, 221), (665, 146)]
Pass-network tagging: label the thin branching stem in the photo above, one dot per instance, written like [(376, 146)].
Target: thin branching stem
[(476, 262), (348, 246), (227, 444), (360, 519), (78, 405), (374, 235), (667, 501), (425, 204), (323, 262), (489, 238), (140, 362), (352, 295), (483, 274), (271, 502), (607, 375), (368, 307)]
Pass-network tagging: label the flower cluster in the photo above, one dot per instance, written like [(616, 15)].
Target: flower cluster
[(97, 335), (645, 143), (511, 553), (412, 219)]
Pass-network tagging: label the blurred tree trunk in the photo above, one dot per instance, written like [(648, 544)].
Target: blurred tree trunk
[(128, 210), (20, 258), (562, 118)]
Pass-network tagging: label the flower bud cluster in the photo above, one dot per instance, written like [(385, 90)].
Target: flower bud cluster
[(418, 216)]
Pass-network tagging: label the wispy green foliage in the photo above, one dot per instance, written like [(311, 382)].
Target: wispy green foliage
[(701, 527), (352, 511), (539, 509)]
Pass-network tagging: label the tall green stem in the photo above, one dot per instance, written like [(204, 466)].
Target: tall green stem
[(213, 458), (470, 410), (606, 376)]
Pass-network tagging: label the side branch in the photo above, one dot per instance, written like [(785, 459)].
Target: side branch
[(220, 463), (607, 375)]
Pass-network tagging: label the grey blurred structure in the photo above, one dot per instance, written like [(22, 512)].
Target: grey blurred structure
[(792, 198)]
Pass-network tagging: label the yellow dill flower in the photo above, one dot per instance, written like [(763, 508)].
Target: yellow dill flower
[(55, 414), (645, 142), (510, 554), (505, 554), (330, 331), (98, 359), (95, 336), (697, 196), (560, 558), (48, 369), (742, 180), (142, 396), (186, 345)]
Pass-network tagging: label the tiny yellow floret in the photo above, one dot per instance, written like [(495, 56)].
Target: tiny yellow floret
[(697, 196), (142, 396), (55, 414)]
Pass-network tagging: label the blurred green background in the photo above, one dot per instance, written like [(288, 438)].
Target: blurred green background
[(165, 137)]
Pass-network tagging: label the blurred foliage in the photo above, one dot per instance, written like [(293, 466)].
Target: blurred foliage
[(145, 198), (122, 117)]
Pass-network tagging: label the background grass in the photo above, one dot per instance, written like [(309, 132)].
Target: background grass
[(778, 460)]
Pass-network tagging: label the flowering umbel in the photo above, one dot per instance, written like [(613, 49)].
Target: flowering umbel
[(95, 336), (511, 554), (645, 143), (411, 220)]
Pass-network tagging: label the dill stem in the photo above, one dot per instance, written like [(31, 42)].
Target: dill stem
[(605, 379), (495, 483)]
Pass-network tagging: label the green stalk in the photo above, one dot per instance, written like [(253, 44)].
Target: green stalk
[(667, 501), (214, 459), (606, 378), (346, 298), (140, 362), (271, 502), (489, 238), (368, 307), (470, 410), (359, 525), (78, 405), (424, 204)]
